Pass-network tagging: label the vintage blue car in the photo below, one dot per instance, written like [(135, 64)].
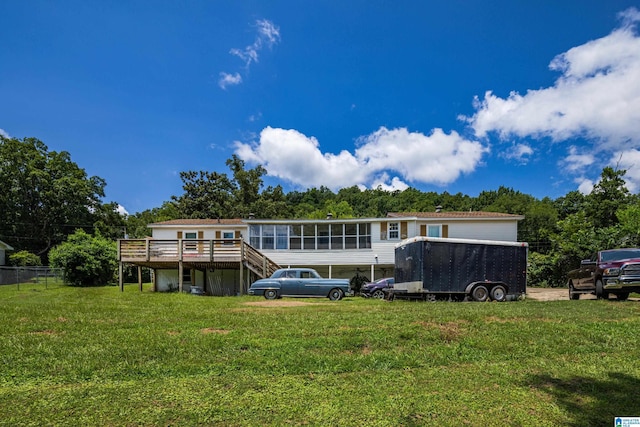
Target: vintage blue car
[(300, 282)]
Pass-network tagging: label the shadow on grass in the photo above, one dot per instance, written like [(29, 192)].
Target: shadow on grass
[(593, 402)]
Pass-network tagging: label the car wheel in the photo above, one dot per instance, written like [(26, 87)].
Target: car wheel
[(336, 294), (600, 292), (498, 293), (623, 296), (378, 294), (271, 294), (572, 292), (480, 293)]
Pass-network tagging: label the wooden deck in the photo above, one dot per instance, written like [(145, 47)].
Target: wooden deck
[(194, 253)]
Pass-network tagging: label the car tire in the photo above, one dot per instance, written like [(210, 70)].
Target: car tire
[(623, 296), (335, 294), (499, 293), (480, 293), (378, 294), (600, 292), (271, 294), (573, 295)]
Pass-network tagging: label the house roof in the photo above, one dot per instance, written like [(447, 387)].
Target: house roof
[(455, 215), (5, 246), (478, 215), (195, 221)]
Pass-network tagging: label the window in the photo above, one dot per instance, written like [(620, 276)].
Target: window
[(434, 230), (295, 239), (228, 236), (254, 236), (351, 236), (188, 245), (267, 237), (309, 233), (323, 236), (394, 231), (337, 236), (364, 236), (282, 236)]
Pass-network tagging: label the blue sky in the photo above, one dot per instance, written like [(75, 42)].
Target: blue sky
[(457, 95)]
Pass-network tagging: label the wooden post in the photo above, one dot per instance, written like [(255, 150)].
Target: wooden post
[(242, 290), (140, 277), (154, 279), (180, 274), (120, 278)]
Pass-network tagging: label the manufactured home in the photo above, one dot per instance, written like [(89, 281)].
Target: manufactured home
[(224, 256)]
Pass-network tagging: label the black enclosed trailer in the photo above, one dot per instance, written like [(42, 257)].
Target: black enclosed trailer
[(431, 268)]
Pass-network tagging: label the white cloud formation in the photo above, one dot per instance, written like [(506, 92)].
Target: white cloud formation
[(576, 162), (596, 97), (519, 152), (437, 158), (4, 134), (229, 80), (585, 186), (268, 34), (628, 160)]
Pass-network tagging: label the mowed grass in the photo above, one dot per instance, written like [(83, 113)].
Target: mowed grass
[(96, 356)]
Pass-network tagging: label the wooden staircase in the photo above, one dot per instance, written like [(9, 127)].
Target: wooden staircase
[(257, 262)]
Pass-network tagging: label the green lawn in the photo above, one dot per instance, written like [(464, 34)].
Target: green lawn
[(95, 356)]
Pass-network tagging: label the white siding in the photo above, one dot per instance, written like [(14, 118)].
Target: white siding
[(484, 230)]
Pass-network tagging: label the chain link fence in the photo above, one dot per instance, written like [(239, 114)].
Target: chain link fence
[(17, 276)]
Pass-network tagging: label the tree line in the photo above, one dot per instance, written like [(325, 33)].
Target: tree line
[(47, 197)]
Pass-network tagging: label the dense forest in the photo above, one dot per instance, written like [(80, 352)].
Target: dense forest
[(46, 197)]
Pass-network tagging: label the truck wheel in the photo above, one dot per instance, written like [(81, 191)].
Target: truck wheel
[(480, 293), (600, 292), (572, 292), (336, 294), (270, 294), (498, 293)]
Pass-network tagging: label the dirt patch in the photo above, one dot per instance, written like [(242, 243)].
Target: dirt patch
[(551, 294), (278, 303)]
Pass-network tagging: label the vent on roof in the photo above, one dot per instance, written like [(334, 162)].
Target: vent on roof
[(329, 215), (438, 208)]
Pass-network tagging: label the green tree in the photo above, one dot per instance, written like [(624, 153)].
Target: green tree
[(86, 260), (206, 195), (608, 196), (45, 196), (137, 224)]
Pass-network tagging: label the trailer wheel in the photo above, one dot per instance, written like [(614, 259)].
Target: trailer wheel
[(498, 293), (480, 293)]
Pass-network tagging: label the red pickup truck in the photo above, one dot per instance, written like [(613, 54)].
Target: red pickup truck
[(614, 271)]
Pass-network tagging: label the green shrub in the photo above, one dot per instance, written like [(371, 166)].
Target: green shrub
[(24, 259), (85, 260)]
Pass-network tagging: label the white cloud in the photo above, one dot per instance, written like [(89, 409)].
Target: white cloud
[(437, 158), (4, 134), (519, 152), (585, 186), (628, 160), (576, 162), (268, 34), (121, 210), (229, 80), (596, 98)]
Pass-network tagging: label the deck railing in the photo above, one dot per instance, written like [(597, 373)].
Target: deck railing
[(195, 250)]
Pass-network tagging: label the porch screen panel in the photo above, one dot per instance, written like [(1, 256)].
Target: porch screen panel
[(323, 236), (282, 236), (295, 237), (364, 235), (309, 233), (351, 236), (254, 236), (268, 237), (337, 236)]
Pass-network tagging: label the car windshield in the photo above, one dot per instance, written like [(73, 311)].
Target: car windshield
[(620, 254)]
